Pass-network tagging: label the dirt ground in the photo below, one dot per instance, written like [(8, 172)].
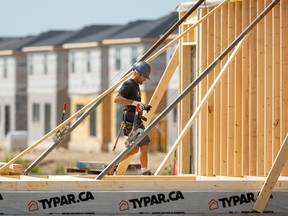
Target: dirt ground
[(62, 158)]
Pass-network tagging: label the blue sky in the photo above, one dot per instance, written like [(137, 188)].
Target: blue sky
[(31, 17)]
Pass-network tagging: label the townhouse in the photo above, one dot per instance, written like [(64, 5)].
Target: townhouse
[(88, 77), (13, 84), (47, 83)]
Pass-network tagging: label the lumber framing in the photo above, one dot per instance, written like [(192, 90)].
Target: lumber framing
[(134, 183), (272, 177)]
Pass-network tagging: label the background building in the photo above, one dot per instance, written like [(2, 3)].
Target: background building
[(13, 85)]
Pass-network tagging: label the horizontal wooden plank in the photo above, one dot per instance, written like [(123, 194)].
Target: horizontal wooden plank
[(74, 183)]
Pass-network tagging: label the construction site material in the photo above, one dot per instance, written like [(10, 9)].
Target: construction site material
[(96, 167), (186, 91), (272, 177), (13, 169), (136, 195), (200, 106), (183, 34)]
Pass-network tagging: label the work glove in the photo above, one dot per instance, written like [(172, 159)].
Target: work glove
[(148, 108), (141, 105)]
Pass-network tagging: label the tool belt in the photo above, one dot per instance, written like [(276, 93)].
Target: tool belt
[(127, 121)]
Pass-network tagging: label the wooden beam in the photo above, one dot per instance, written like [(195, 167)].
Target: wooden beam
[(238, 168), (210, 104), (272, 177), (123, 166), (217, 116), (149, 178), (245, 93), (185, 111), (276, 82), (268, 92), (284, 74), (252, 93), (202, 89), (231, 95), (62, 183), (260, 93), (162, 86), (223, 95)]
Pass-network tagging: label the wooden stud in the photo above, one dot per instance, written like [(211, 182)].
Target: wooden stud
[(276, 82), (210, 104), (253, 94), (260, 93), (202, 90), (268, 92), (284, 74), (245, 93), (217, 117), (231, 96), (223, 95), (238, 97)]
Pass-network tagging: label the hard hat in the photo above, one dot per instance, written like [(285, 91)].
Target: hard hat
[(143, 68)]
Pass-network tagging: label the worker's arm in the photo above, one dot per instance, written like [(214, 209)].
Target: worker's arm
[(119, 99)]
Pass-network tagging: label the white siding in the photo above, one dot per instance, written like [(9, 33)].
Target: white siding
[(82, 81)]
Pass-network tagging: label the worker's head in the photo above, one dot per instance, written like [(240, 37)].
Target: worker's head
[(143, 68)]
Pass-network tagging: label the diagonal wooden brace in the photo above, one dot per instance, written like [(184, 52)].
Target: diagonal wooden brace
[(272, 177)]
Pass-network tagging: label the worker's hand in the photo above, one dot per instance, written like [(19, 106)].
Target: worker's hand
[(147, 108), (141, 105)]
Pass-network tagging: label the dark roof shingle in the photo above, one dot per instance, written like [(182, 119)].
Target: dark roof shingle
[(15, 44), (146, 28)]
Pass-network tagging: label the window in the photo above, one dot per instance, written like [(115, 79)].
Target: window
[(36, 112), (4, 68), (93, 122), (30, 64), (88, 61), (134, 55), (175, 114), (117, 59), (7, 119), (79, 107), (45, 64), (72, 59)]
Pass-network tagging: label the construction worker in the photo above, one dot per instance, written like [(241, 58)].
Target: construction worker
[(129, 95)]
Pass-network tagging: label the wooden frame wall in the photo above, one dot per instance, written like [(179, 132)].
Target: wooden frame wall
[(240, 129)]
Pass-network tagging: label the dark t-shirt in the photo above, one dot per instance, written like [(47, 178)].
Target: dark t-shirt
[(130, 90)]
